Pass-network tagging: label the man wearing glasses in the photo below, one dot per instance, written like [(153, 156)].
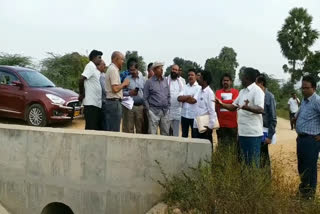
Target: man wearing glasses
[(308, 141)]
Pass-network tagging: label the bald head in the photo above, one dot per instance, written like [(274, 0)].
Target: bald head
[(117, 58)]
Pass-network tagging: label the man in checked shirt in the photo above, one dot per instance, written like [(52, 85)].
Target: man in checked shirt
[(308, 141)]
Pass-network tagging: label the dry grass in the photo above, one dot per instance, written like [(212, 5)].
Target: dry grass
[(225, 185)]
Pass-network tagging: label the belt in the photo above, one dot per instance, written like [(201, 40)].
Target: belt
[(114, 99), (138, 104), (305, 135)]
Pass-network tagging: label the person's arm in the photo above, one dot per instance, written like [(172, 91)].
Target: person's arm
[(146, 94), (230, 107), (298, 101), (81, 88), (116, 85), (257, 106), (253, 109), (211, 110), (272, 118)]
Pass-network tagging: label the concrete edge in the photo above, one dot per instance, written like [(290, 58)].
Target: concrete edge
[(103, 133), (3, 210), (160, 208)]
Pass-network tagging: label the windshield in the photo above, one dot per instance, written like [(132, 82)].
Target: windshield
[(36, 79)]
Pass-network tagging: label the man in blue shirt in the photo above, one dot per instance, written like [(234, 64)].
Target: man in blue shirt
[(308, 141), (269, 117), (125, 74)]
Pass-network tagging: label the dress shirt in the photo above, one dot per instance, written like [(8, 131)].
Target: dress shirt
[(189, 110), (206, 106), (270, 114), (250, 124), (103, 86), (156, 94), (308, 116), (92, 86), (137, 82)]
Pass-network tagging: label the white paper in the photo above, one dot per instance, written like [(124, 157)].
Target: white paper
[(127, 102), (274, 138)]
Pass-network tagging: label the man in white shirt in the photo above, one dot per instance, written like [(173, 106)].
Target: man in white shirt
[(175, 87), (90, 91), (205, 106), (250, 106), (293, 105), (114, 92), (188, 112)]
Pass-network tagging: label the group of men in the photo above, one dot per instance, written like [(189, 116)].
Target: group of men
[(159, 103), (246, 118)]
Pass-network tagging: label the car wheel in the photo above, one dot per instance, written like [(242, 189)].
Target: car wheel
[(36, 116)]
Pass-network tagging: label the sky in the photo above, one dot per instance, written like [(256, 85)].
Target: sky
[(159, 30)]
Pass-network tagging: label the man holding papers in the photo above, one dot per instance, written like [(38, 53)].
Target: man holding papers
[(133, 102)]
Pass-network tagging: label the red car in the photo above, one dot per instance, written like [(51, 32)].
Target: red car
[(27, 94)]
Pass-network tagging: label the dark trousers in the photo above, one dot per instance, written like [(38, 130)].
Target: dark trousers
[(206, 135), (291, 115), (265, 157), (250, 150), (103, 116), (92, 115), (186, 124), (113, 115), (227, 136), (307, 152)]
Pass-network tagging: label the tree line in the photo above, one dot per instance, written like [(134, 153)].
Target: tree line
[(295, 38)]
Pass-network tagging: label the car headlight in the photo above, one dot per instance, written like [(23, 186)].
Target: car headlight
[(55, 99)]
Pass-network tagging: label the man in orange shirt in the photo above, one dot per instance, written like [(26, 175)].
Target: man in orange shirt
[(228, 131)]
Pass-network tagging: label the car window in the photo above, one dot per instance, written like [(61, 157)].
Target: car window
[(6, 78), (36, 79)]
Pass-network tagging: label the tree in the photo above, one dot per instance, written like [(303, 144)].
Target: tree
[(312, 65), (185, 65), (65, 70), (295, 39), (15, 60), (226, 62), (141, 63)]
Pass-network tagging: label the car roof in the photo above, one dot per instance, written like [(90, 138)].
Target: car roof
[(16, 68)]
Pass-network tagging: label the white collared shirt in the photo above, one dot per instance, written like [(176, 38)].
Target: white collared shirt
[(189, 110), (250, 124), (205, 105), (92, 86), (176, 87)]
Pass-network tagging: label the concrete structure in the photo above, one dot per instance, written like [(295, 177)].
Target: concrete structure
[(91, 172)]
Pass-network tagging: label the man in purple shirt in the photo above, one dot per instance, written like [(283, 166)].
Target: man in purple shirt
[(156, 95)]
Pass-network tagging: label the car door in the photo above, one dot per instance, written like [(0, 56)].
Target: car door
[(11, 96)]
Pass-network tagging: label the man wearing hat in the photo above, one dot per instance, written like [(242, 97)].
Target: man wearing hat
[(157, 101)]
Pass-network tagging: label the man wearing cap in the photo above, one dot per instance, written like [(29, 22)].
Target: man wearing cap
[(156, 95), (114, 92)]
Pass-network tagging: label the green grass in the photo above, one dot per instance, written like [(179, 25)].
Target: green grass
[(283, 113), (225, 185)]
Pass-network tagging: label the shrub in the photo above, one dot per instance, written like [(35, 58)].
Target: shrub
[(226, 185)]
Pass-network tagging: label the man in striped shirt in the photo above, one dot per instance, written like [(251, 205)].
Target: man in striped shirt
[(308, 141)]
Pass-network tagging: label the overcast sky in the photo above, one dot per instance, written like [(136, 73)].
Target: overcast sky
[(158, 30)]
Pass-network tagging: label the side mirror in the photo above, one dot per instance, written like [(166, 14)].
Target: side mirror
[(17, 83)]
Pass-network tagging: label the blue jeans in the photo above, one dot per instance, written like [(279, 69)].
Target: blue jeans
[(113, 114), (307, 152), (250, 149)]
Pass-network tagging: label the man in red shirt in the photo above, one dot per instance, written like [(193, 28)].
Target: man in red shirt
[(228, 131)]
